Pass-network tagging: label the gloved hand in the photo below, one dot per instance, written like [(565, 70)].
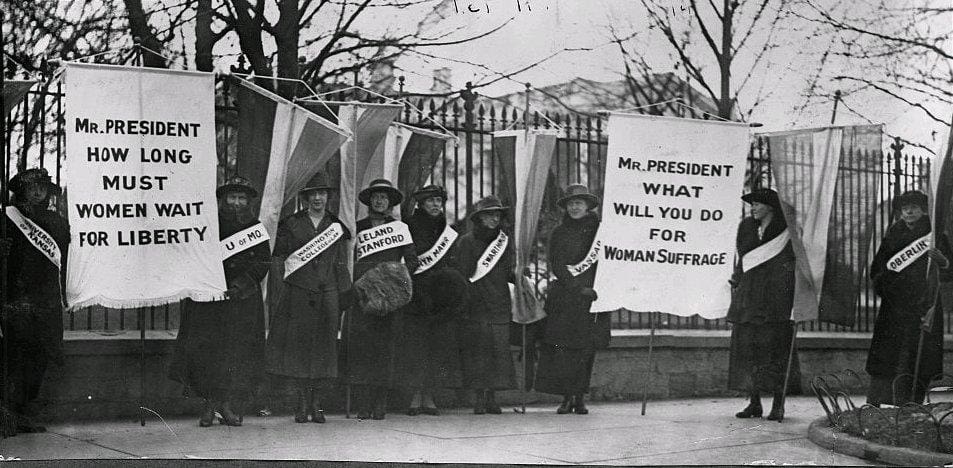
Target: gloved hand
[(588, 293)]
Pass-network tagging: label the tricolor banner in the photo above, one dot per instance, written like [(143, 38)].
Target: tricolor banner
[(13, 92)]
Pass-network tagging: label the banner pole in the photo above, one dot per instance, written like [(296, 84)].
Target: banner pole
[(525, 370), (787, 373), (4, 392), (645, 382), (142, 364), (347, 341)]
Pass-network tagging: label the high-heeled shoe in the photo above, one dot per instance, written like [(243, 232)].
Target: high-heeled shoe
[(566, 406), (750, 411), (314, 409), (492, 407), (228, 417), (208, 415), (579, 405), (777, 409)]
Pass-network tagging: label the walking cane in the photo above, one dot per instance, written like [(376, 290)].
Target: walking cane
[(645, 382), (787, 373)]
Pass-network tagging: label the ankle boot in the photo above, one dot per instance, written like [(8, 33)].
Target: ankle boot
[(317, 414), (492, 407), (479, 401), (362, 396), (777, 408), (301, 411), (380, 404), (753, 410), (566, 406), (208, 414), (579, 405), (229, 418)]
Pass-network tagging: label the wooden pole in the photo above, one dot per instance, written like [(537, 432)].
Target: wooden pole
[(4, 392), (645, 381), (525, 372), (787, 373), (142, 365)]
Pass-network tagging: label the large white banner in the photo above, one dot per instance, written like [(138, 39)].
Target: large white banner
[(670, 214), (140, 177)]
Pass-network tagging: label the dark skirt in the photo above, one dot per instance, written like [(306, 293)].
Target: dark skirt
[(370, 348), (32, 339), (759, 356), (302, 343), (564, 371), (428, 354), (487, 361)]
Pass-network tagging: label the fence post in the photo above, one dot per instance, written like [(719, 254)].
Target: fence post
[(896, 146), (469, 100)]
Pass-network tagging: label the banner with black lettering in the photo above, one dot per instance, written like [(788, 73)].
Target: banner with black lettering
[(141, 175), (670, 214)]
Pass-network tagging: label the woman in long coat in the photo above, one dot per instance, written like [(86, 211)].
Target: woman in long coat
[(571, 334), (762, 298), (219, 347), (371, 337), (484, 328), (905, 295), (302, 344)]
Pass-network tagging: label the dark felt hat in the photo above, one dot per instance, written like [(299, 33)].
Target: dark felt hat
[(766, 196), (318, 182), (488, 203), (911, 197), (430, 191), (381, 185), (236, 184), (36, 175), (581, 192)]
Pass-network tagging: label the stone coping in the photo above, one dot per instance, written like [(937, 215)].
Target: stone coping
[(821, 433)]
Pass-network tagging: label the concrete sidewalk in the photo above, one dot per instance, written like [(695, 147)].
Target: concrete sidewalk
[(697, 431)]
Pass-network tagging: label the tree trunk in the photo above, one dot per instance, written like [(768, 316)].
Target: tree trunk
[(725, 103), (139, 26), (203, 36), (286, 41), (250, 40)]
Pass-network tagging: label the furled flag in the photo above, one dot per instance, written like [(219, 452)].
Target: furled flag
[(13, 92), (941, 180)]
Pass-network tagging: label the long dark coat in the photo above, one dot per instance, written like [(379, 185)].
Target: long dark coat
[(219, 348), (302, 343), (571, 334), (371, 344), (760, 312), (484, 328), (905, 297)]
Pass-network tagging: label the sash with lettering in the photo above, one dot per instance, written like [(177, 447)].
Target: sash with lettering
[(765, 251), (909, 254), (588, 261), (439, 249), (313, 248), (40, 239), (381, 238), (244, 240), (491, 256)]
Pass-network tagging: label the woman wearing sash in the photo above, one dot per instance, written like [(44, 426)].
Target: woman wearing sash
[(382, 242), (571, 334), (899, 273), (761, 302), (429, 356), (302, 344), (487, 258)]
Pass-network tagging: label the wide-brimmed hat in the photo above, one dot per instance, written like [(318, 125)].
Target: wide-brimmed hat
[(236, 184), (430, 191), (911, 197), (581, 192), (36, 175), (488, 203), (766, 196), (381, 185), (319, 181)]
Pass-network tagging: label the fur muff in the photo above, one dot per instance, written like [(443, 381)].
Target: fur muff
[(384, 288)]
